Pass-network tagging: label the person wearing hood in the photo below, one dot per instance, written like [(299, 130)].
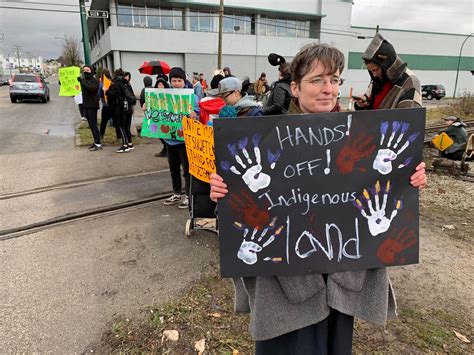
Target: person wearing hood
[(280, 97), (162, 82), (90, 103), (457, 132), (227, 72), (131, 101), (116, 97), (148, 83), (393, 85), (234, 93)]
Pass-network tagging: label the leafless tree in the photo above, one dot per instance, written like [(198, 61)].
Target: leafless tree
[(71, 54)]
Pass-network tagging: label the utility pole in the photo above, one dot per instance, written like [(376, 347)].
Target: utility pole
[(17, 50), (85, 33), (221, 28), (459, 62)]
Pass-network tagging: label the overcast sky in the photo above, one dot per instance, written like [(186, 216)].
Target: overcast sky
[(35, 31)]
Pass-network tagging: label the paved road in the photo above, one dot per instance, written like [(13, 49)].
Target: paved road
[(23, 125), (62, 287)]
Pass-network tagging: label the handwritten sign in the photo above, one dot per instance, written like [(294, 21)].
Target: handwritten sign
[(165, 109), (70, 86), (318, 193), (199, 140)]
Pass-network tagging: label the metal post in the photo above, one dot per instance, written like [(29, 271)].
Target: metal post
[(459, 62), (221, 29), (85, 33)]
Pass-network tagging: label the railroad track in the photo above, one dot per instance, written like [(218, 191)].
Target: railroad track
[(432, 130)]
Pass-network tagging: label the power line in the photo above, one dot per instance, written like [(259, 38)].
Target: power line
[(40, 3), (210, 15)]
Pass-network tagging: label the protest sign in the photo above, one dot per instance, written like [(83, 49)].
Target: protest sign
[(106, 84), (70, 86), (165, 109), (199, 140), (318, 193), (442, 141)]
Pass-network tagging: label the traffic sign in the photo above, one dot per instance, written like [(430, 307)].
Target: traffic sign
[(97, 14)]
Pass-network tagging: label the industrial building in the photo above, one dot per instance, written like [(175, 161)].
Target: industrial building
[(185, 33)]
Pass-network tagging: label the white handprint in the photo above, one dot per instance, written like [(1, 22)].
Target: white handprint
[(376, 218), (385, 156), (249, 248), (251, 172)]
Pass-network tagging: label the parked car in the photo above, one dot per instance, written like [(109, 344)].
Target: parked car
[(4, 80), (28, 86), (433, 91)]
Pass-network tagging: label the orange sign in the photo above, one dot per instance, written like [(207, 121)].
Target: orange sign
[(442, 141), (199, 141)]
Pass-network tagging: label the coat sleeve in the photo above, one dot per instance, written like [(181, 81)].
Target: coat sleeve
[(90, 85), (278, 102), (142, 97)]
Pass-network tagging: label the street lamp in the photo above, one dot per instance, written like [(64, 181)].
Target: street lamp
[(459, 62)]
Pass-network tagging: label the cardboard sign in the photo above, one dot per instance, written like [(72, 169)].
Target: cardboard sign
[(165, 109), (70, 86), (442, 141), (318, 193), (106, 84), (199, 140)]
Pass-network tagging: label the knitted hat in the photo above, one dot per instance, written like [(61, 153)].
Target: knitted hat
[(177, 72), (226, 85)]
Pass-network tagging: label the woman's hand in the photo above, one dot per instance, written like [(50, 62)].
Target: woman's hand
[(192, 115), (418, 179), (218, 187)]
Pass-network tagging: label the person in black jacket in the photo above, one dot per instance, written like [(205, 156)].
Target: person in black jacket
[(131, 100), (280, 97), (90, 103), (116, 96)]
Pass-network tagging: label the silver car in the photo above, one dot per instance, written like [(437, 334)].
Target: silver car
[(28, 86)]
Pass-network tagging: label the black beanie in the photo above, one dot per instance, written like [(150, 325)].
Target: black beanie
[(275, 59), (177, 72)]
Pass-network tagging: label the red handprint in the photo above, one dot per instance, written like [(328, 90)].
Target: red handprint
[(165, 129), (180, 132), (391, 248), (355, 150), (247, 211)]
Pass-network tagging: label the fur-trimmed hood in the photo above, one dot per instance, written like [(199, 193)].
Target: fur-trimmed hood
[(381, 52)]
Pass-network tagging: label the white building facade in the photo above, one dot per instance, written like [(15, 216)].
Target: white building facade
[(185, 33)]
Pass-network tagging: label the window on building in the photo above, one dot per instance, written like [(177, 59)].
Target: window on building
[(124, 15), (283, 27), (166, 19), (139, 16), (153, 17), (203, 21), (242, 24)]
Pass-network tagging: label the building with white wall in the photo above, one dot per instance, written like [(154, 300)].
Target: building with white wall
[(185, 33)]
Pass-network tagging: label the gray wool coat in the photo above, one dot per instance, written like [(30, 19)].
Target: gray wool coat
[(281, 304)]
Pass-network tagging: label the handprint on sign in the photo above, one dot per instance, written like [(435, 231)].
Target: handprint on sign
[(246, 210), (251, 245), (391, 248), (377, 220), (385, 156), (250, 170), (355, 150)]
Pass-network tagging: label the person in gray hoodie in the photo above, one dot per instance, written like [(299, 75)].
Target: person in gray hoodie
[(313, 314)]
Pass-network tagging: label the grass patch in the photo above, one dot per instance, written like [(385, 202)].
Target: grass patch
[(204, 311), (85, 138), (462, 107)]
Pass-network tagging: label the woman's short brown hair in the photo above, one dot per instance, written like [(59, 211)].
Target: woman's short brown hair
[(331, 57)]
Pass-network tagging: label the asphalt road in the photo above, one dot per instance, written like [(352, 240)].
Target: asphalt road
[(32, 126), (62, 287)]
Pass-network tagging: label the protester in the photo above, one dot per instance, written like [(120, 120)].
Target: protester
[(313, 314), (455, 129), (90, 103), (198, 90), (162, 82), (176, 150), (233, 91), (131, 100), (227, 72), (203, 82), (210, 105), (260, 86), (393, 85), (106, 113), (116, 97), (147, 83), (280, 97)]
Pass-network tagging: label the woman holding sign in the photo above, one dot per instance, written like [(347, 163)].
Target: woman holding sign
[(313, 314)]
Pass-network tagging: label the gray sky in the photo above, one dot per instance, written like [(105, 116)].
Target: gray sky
[(35, 31)]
